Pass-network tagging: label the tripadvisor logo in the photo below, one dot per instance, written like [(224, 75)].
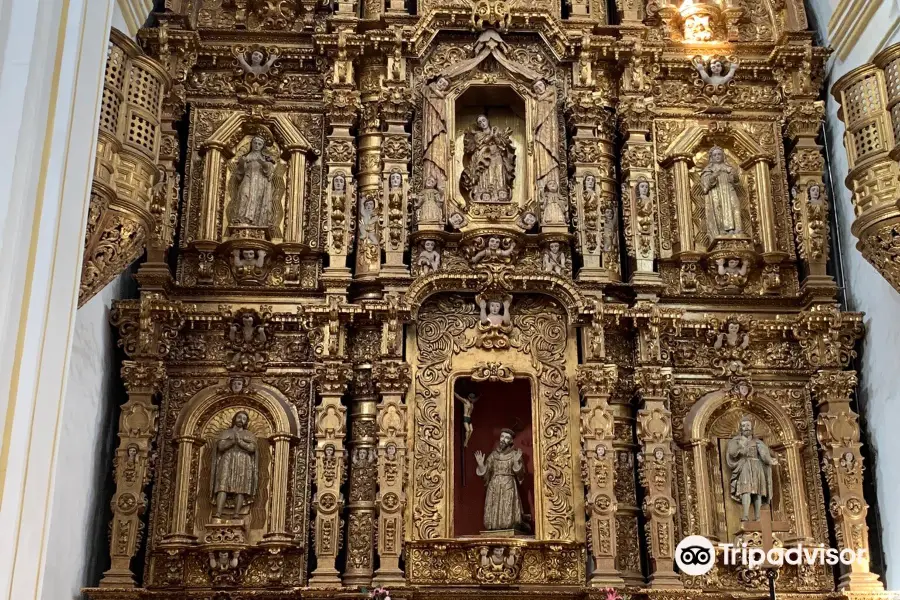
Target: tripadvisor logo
[(695, 555)]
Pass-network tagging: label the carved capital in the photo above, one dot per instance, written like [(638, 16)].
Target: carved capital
[(143, 377), (653, 382), (827, 336), (392, 376), (804, 119), (342, 104), (596, 380), (333, 378), (833, 386), (147, 326)]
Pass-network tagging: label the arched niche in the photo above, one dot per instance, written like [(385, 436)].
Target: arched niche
[(686, 156), (710, 423), (273, 420), (285, 143)]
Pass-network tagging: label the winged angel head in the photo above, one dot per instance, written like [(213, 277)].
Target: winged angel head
[(256, 188)]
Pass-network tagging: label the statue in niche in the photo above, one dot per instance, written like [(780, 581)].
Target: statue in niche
[(252, 187), (429, 259), (502, 471), (468, 403), (718, 182), (750, 461), (368, 232), (644, 205), (434, 134), (494, 251), (546, 136), (608, 236), (553, 206), (554, 259), (430, 204), (489, 162), (234, 470), (697, 29)]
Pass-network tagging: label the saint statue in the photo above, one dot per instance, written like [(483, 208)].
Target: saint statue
[(717, 181), (234, 469), (553, 205), (489, 162), (434, 134), (546, 136), (431, 204), (254, 195), (554, 259), (502, 471), (751, 463), (429, 259)]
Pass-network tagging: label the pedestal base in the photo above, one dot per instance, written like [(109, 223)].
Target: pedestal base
[(666, 581), (325, 578), (860, 582)]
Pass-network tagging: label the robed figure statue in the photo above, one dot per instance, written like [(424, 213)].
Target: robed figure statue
[(255, 193), (502, 471), (719, 182), (489, 163), (235, 465), (751, 463)]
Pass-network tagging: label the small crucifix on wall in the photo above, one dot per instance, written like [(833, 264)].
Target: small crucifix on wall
[(468, 403)]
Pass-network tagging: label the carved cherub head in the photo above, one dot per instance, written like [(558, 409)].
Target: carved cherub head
[(716, 67), (814, 192), (457, 220), (339, 182), (494, 243), (734, 263), (256, 58), (442, 84), (240, 420), (391, 450), (369, 205), (132, 451), (329, 451), (529, 220), (601, 451), (395, 181), (248, 254), (733, 327), (494, 306), (428, 245), (554, 247), (659, 454), (497, 554), (540, 87)]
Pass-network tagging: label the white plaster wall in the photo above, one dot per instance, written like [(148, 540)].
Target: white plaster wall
[(868, 292), (78, 551)]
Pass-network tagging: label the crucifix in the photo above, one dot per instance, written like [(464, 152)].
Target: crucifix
[(767, 527)]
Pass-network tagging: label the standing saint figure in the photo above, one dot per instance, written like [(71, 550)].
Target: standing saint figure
[(434, 134), (751, 463), (553, 205), (718, 180), (234, 468), (502, 471), (489, 162), (430, 205), (546, 135), (254, 198)]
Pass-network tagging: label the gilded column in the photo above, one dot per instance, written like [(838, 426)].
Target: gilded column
[(361, 508), (341, 107), (837, 429), (393, 378), (137, 428), (639, 197), (809, 203), (332, 378), (396, 108), (654, 428), (596, 382), (369, 210)]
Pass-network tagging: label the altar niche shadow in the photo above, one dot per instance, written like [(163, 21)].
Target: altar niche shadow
[(500, 406)]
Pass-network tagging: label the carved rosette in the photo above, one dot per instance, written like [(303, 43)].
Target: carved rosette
[(837, 429), (596, 383), (393, 378), (654, 428), (131, 197), (333, 378)]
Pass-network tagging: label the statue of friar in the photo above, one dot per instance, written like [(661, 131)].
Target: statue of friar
[(751, 463), (235, 465), (502, 471)]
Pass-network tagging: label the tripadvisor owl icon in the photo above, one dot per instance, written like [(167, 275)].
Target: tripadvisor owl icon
[(695, 555)]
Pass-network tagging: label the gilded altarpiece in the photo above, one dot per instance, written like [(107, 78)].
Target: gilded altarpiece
[(369, 217)]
